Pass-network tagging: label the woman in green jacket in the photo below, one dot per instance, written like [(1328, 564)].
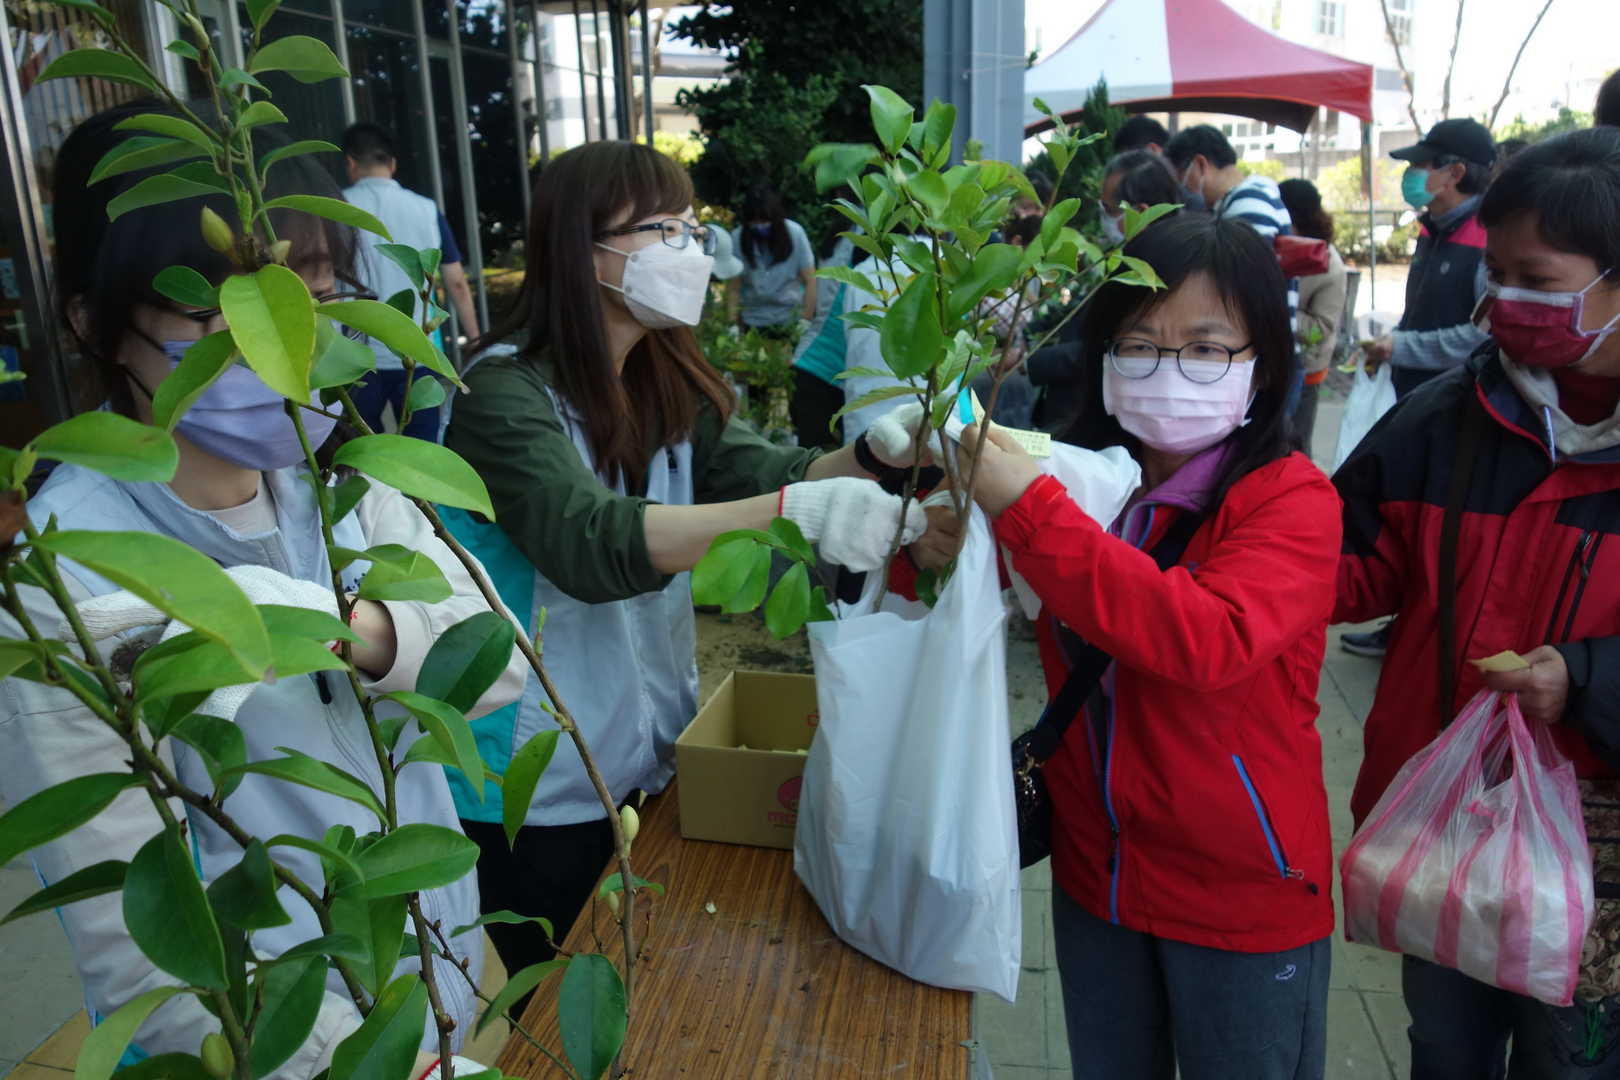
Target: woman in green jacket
[(613, 460)]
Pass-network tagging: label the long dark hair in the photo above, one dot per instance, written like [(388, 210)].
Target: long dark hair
[(761, 203), (1304, 204), (1244, 273), (104, 269), (559, 306), (1571, 182), (1144, 179)]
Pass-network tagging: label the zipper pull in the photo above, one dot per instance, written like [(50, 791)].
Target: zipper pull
[(321, 687), (1583, 557)]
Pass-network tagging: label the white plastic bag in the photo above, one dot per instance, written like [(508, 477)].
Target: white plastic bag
[(1476, 857), (906, 836), (1370, 398)]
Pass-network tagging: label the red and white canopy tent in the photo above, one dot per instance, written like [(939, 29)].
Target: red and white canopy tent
[(1194, 56)]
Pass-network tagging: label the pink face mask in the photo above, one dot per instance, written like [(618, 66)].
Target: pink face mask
[(1170, 412), (1540, 329)]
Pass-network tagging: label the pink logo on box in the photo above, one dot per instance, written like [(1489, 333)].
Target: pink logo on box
[(788, 796)]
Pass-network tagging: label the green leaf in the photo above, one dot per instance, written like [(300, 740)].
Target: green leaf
[(90, 7), (872, 397), (188, 664), (141, 152), (930, 188), (416, 467), (304, 623), (198, 369), (1145, 274), (203, 174), (789, 605), (245, 895), (339, 359), (343, 946), (258, 114), (168, 915), (303, 146), (302, 769), (272, 318), (395, 330), (112, 445), (384, 1047), (335, 210), (165, 187), (259, 12), (994, 269), (326, 851), (397, 573), (403, 302), (347, 495), (725, 569), (522, 774), (235, 76), (173, 127), (819, 611), (911, 339), (59, 809), (96, 880), (426, 393), (380, 925), (591, 1012), (415, 857), (850, 277), (166, 1067), (177, 579), (97, 64), (516, 987), (891, 117), (510, 918), (220, 745), (839, 163), (1056, 218), (446, 724), (792, 538), (291, 996), (306, 59), (615, 883), (185, 286), (938, 124), (466, 660), (104, 1046), (1137, 220), (407, 259)]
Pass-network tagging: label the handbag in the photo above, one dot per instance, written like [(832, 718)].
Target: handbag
[(1031, 750), (1301, 256)]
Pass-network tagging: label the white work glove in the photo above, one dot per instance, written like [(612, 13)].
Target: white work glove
[(802, 326), (459, 1066), (893, 434), (119, 611), (852, 520)]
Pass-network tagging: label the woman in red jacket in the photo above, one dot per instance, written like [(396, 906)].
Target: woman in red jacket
[(1191, 851)]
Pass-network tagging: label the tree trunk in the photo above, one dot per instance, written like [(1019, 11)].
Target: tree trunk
[(1507, 83), (1400, 62), (1451, 65)]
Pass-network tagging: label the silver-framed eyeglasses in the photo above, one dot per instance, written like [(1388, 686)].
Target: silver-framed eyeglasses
[(1198, 361), (676, 232)]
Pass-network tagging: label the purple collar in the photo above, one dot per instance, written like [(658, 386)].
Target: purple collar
[(1189, 488)]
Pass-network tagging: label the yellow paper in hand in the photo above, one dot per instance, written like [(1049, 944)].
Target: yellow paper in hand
[(1502, 661)]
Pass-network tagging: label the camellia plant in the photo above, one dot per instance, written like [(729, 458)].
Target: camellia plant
[(941, 281), (368, 901)]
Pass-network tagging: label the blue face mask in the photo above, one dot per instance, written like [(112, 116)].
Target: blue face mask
[(1415, 188), (241, 420)]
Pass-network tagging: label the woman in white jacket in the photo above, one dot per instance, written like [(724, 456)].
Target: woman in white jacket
[(240, 496)]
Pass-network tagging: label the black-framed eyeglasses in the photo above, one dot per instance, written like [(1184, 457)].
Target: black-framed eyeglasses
[(203, 316), (676, 232), (1199, 361)]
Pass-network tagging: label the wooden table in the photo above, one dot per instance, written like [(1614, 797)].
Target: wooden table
[(761, 988)]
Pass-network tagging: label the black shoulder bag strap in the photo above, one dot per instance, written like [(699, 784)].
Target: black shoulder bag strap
[(1470, 431), (1089, 662)]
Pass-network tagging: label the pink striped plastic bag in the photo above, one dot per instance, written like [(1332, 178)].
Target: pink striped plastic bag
[(1476, 857)]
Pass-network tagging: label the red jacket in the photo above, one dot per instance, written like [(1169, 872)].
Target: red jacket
[(1193, 808), (1535, 565)]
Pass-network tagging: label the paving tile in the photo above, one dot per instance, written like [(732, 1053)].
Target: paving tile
[(61, 1050), (1362, 967), (1390, 1020), (1015, 1034), (1021, 1072), (1353, 1049), (1057, 1034), (1036, 916), (1037, 878)]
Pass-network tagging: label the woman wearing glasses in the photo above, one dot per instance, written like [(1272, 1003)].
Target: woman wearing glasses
[(1192, 863), (607, 443), (241, 496)]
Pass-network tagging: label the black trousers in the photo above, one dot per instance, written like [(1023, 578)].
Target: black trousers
[(811, 409), (550, 871)]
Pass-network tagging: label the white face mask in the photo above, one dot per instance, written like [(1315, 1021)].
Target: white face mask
[(1170, 412), (664, 286), (1113, 227)]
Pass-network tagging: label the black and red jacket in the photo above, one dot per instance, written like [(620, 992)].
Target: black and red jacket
[(1537, 564)]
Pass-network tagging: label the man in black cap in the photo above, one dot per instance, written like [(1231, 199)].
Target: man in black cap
[(1445, 177)]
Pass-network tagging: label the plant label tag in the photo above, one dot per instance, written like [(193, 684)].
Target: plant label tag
[(969, 410), (1502, 661)]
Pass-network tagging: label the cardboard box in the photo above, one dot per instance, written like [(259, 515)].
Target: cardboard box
[(747, 796)]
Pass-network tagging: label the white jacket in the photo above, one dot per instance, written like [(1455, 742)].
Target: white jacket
[(47, 737)]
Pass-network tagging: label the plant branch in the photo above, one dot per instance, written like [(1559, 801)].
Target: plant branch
[(517, 1025), (1507, 83), (442, 1020), (1400, 62), (1451, 64)]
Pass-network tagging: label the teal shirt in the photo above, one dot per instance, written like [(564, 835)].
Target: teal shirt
[(825, 357)]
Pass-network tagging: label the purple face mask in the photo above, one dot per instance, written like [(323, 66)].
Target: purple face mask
[(241, 420)]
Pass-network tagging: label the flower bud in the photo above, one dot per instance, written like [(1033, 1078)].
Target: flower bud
[(216, 234), (613, 903), (217, 1057), (630, 821)]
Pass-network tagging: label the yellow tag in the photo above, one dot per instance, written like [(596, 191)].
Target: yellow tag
[(1037, 444), (1502, 661)]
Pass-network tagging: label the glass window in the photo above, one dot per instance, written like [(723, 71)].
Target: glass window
[(1330, 18), (314, 110), (387, 82), (493, 133), (482, 23), (387, 14)]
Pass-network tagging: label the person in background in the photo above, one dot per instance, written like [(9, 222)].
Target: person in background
[(819, 358), (1606, 110), (1535, 416), (1009, 322), (613, 459), (1134, 178), (1141, 133), (241, 495), (414, 220), (1506, 151), (1024, 206), (1447, 174), (1321, 302), (777, 288), (1192, 864)]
